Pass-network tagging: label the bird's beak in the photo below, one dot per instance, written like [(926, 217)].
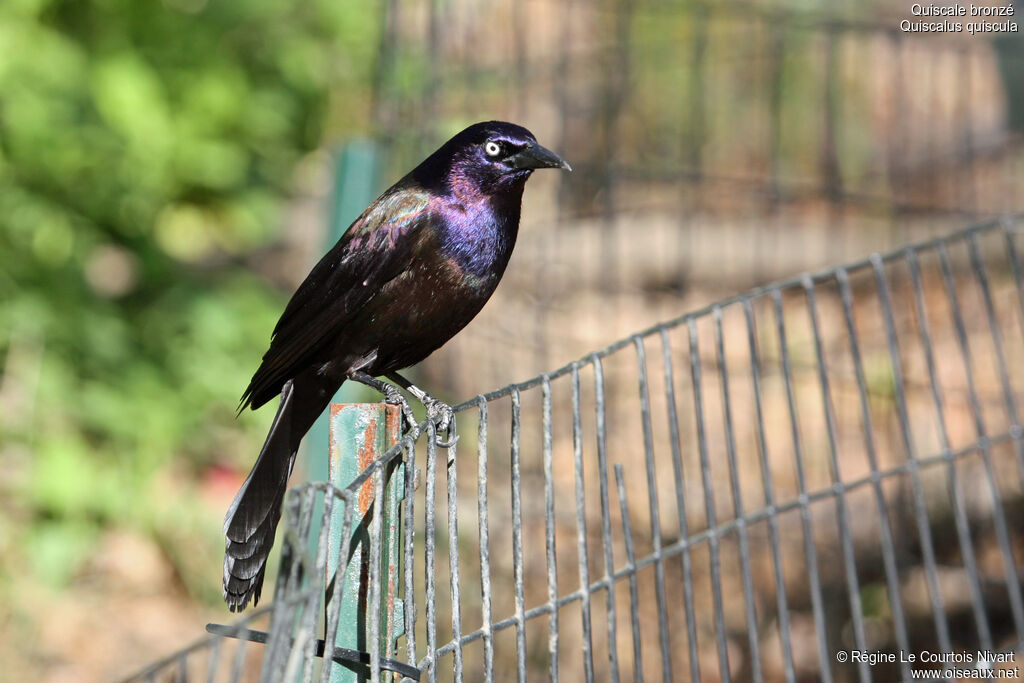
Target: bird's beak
[(536, 156)]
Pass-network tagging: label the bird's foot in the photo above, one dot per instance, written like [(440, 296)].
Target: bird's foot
[(443, 417), (393, 396), (438, 412)]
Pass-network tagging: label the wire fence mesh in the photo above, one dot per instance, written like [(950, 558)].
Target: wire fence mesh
[(830, 463)]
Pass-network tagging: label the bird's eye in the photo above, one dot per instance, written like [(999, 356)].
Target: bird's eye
[(492, 148)]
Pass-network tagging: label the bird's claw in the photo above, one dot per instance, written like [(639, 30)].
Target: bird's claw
[(395, 397), (443, 417)]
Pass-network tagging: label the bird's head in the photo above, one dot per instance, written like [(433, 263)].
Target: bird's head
[(488, 159)]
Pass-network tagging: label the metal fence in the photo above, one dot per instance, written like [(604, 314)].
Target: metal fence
[(830, 463)]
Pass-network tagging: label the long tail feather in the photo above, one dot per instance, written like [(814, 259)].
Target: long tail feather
[(251, 521)]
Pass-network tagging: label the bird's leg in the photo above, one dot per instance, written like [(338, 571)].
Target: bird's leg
[(439, 412), (391, 395)]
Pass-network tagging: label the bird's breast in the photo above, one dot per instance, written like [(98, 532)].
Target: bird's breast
[(476, 242)]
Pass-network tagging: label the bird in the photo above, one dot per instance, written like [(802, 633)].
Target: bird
[(410, 272)]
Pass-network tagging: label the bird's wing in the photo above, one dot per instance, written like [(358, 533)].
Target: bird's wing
[(375, 249)]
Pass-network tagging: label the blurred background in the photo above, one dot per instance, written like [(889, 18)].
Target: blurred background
[(169, 171)]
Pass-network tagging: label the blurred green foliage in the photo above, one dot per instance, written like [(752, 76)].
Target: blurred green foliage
[(146, 149)]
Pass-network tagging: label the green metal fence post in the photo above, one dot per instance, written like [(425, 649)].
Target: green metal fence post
[(359, 434), (355, 186)]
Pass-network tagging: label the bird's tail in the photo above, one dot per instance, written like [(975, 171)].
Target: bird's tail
[(252, 519)]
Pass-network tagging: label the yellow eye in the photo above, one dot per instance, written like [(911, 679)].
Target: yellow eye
[(492, 148)]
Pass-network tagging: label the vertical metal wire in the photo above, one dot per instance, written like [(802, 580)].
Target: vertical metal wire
[(430, 540), (581, 526), (517, 542), (549, 532), (606, 520), (213, 662), (963, 529), (781, 600), (455, 585), (709, 503), (810, 550), (485, 543), (842, 511), (753, 639), (373, 599), (312, 602), (684, 534), (920, 504), (655, 513), (634, 598), (409, 556), (239, 659), (293, 664)]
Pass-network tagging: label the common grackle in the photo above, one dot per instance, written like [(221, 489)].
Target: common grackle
[(407, 275)]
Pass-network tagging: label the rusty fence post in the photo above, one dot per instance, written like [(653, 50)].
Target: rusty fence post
[(359, 434)]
